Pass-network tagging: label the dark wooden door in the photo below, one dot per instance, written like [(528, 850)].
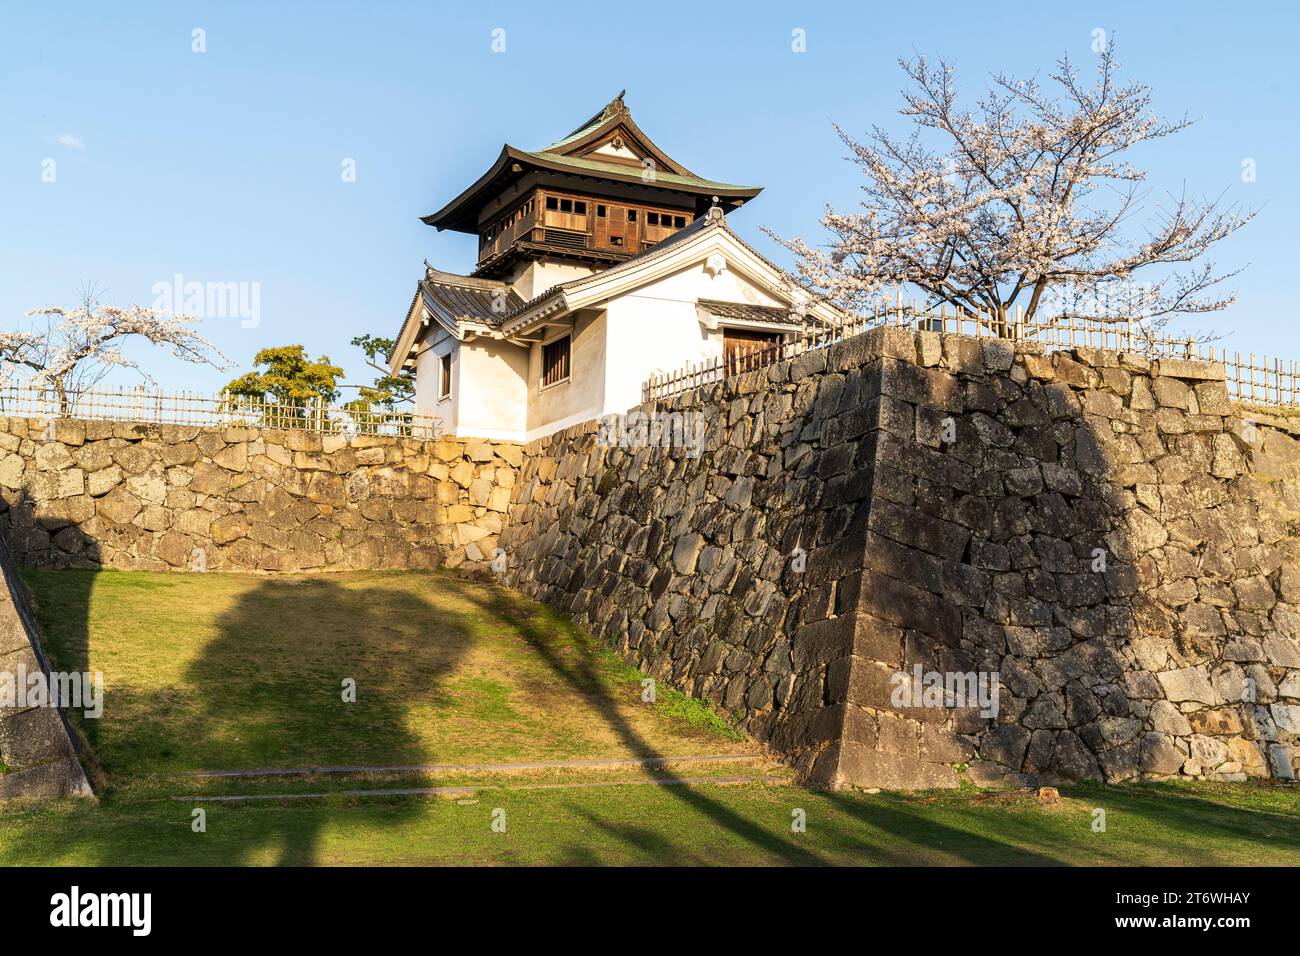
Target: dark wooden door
[(746, 349)]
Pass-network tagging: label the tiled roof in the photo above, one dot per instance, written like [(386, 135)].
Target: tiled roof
[(460, 298), (613, 108), (752, 313), (468, 299), (461, 213), (714, 219), (658, 249)]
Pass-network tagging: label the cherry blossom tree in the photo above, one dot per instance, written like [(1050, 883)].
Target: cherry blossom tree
[(1025, 203), (74, 348)]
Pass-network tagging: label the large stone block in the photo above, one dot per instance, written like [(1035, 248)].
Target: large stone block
[(1188, 684), (852, 764), (36, 750), (1189, 369), (933, 388)]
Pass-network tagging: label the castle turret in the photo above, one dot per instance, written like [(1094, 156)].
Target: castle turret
[(597, 197)]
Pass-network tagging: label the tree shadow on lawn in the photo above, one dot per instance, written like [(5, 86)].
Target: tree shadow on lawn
[(1151, 824), (258, 689), (583, 676), (268, 691), (891, 814), (649, 846), (1181, 813)]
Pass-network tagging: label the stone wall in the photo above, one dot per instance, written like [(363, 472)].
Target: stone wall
[(159, 497), (38, 756), (1110, 537), (688, 564)]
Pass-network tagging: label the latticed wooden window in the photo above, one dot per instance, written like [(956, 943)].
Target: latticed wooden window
[(555, 361), (444, 375)]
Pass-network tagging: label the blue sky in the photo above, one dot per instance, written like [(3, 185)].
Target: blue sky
[(225, 166)]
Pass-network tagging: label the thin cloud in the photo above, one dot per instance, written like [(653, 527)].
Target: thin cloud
[(70, 141)]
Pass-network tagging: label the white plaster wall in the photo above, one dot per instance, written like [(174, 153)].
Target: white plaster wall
[(426, 380), (536, 277), (579, 399), (495, 384), (489, 385), (657, 329)]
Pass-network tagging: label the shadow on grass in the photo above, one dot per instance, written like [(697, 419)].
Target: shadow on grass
[(1149, 814), (651, 846), (583, 675), (892, 815), (267, 691), (263, 694), (257, 688), (1147, 824)]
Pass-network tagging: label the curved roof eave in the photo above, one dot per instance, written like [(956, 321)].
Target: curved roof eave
[(440, 217), (451, 216)]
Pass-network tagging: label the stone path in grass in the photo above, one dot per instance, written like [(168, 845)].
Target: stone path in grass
[(596, 764), (471, 792)]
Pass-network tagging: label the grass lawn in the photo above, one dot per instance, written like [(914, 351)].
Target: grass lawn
[(706, 824), (225, 671), (210, 672)]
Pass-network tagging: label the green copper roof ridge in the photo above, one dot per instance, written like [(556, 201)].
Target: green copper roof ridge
[(614, 107)]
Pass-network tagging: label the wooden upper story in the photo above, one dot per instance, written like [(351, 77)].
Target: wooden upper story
[(601, 195), (576, 223)]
